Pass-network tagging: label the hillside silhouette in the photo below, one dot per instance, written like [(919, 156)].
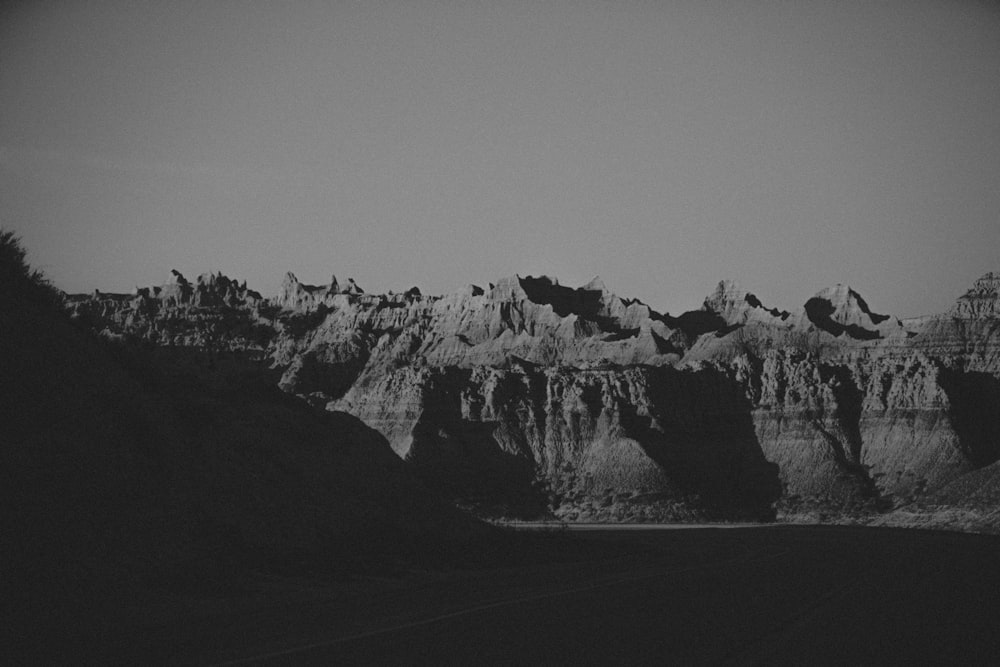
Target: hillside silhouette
[(130, 478)]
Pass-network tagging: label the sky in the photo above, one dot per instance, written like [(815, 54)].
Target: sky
[(661, 145)]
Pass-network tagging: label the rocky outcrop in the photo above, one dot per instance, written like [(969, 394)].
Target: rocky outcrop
[(839, 310), (529, 394), (850, 433), (967, 337), (298, 297), (737, 307), (981, 301), (580, 439), (214, 313)]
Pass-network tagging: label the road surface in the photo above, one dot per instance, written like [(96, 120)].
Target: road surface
[(741, 596)]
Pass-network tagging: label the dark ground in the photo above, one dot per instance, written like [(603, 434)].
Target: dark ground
[(771, 595)]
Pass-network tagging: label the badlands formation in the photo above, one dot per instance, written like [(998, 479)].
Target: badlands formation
[(529, 398)]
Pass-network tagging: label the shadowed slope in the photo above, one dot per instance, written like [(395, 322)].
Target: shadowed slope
[(125, 475)]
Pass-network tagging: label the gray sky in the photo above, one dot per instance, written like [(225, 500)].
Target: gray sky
[(662, 145)]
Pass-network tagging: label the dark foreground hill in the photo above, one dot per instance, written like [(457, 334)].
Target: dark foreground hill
[(529, 398), (127, 478)]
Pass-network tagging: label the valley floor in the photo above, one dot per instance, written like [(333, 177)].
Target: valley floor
[(761, 595)]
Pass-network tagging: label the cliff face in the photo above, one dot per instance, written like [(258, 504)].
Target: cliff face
[(966, 338), (530, 394), (585, 441)]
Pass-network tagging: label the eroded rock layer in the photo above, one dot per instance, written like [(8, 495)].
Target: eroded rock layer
[(529, 397)]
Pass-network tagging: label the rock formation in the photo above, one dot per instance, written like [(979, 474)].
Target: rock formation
[(981, 301), (531, 395)]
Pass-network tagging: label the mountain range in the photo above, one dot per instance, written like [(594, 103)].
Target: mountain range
[(529, 399)]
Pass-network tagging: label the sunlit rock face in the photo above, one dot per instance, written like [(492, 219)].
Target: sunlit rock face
[(854, 430), (679, 441), (529, 396), (981, 301), (213, 313), (737, 307), (966, 339)]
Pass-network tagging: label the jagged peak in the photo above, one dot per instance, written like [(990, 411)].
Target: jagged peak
[(840, 309), (728, 285), (176, 278), (537, 282), (837, 293), (511, 284), (596, 284), (729, 290), (554, 281), (980, 300), (988, 283), (725, 291), (209, 278), (291, 284), (219, 281), (735, 305), (846, 301)]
